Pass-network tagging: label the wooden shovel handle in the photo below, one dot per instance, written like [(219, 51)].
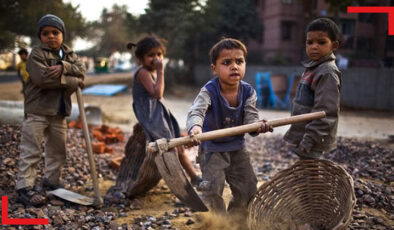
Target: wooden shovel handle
[(238, 130), (97, 197)]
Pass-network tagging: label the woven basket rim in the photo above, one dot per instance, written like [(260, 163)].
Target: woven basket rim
[(317, 167)]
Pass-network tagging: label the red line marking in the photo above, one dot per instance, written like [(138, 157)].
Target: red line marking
[(18, 221), (376, 9)]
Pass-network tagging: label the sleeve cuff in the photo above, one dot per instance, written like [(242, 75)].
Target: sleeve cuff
[(66, 66)]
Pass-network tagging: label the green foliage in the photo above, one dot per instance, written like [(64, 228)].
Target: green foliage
[(20, 17)]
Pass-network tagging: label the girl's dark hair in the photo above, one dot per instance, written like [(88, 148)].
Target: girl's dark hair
[(326, 25), (23, 51), (226, 43), (147, 43)]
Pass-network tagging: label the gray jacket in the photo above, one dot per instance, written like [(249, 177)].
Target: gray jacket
[(318, 90), (200, 105), (47, 96)]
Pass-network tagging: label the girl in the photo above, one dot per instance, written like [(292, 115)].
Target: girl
[(148, 88)]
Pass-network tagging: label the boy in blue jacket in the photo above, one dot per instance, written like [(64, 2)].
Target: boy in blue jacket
[(226, 101)]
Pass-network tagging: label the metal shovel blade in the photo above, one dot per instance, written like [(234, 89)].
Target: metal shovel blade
[(72, 196), (171, 170)]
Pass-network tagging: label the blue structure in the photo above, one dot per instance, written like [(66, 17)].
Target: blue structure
[(104, 89), (266, 97)]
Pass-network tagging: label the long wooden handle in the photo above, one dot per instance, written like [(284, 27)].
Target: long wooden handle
[(98, 201), (238, 130)]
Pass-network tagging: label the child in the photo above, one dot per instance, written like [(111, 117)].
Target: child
[(148, 102), (318, 90), (223, 102), (55, 72), (21, 67)]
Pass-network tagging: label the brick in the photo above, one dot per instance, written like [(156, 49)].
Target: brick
[(111, 138), (115, 162), (98, 147), (98, 135), (71, 124), (120, 137), (108, 149), (78, 125)]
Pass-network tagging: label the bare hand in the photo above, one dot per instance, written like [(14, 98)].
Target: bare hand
[(54, 71), (194, 131), (81, 84), (265, 127), (158, 63)]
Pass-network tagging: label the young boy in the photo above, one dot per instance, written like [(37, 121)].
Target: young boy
[(225, 101), (318, 90), (55, 72), (21, 67)]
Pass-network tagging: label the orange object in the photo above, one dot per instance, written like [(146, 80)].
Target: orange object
[(111, 138), (104, 128), (78, 124), (115, 162), (98, 147), (71, 124), (98, 135), (120, 137), (108, 149)]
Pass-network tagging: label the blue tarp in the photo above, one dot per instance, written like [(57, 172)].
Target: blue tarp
[(104, 89)]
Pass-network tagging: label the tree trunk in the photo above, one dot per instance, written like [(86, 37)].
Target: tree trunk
[(138, 172)]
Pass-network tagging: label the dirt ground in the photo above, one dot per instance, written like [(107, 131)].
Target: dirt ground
[(117, 110)]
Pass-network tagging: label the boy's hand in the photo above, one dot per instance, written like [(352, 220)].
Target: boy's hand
[(54, 71), (158, 63), (81, 83), (73, 83), (194, 131), (265, 127)]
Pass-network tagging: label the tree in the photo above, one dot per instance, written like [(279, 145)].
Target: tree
[(193, 26), (19, 18), (336, 6), (115, 28)]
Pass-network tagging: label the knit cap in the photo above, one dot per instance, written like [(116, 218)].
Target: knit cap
[(51, 20)]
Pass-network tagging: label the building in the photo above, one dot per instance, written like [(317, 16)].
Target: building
[(365, 41)]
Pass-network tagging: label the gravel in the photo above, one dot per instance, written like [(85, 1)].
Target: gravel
[(370, 163)]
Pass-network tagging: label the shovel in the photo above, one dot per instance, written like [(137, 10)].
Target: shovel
[(72, 196), (170, 168)]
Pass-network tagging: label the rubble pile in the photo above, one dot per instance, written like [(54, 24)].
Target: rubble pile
[(370, 163), (76, 177)]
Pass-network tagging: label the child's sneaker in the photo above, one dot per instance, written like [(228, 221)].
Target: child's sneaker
[(29, 197)]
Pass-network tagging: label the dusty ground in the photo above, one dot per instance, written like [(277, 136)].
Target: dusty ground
[(117, 109)]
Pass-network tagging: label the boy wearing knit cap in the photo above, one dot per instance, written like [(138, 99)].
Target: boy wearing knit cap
[(55, 72)]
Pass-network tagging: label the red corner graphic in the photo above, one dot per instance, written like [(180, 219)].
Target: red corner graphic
[(376, 9), (6, 221)]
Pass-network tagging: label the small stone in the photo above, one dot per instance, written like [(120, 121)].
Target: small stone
[(188, 214), (369, 200), (189, 222), (57, 203)]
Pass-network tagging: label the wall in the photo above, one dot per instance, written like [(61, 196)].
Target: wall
[(363, 88)]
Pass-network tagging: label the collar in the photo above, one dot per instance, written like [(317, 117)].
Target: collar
[(310, 63), (64, 47)]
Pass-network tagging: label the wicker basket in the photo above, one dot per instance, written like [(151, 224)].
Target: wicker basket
[(311, 194)]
